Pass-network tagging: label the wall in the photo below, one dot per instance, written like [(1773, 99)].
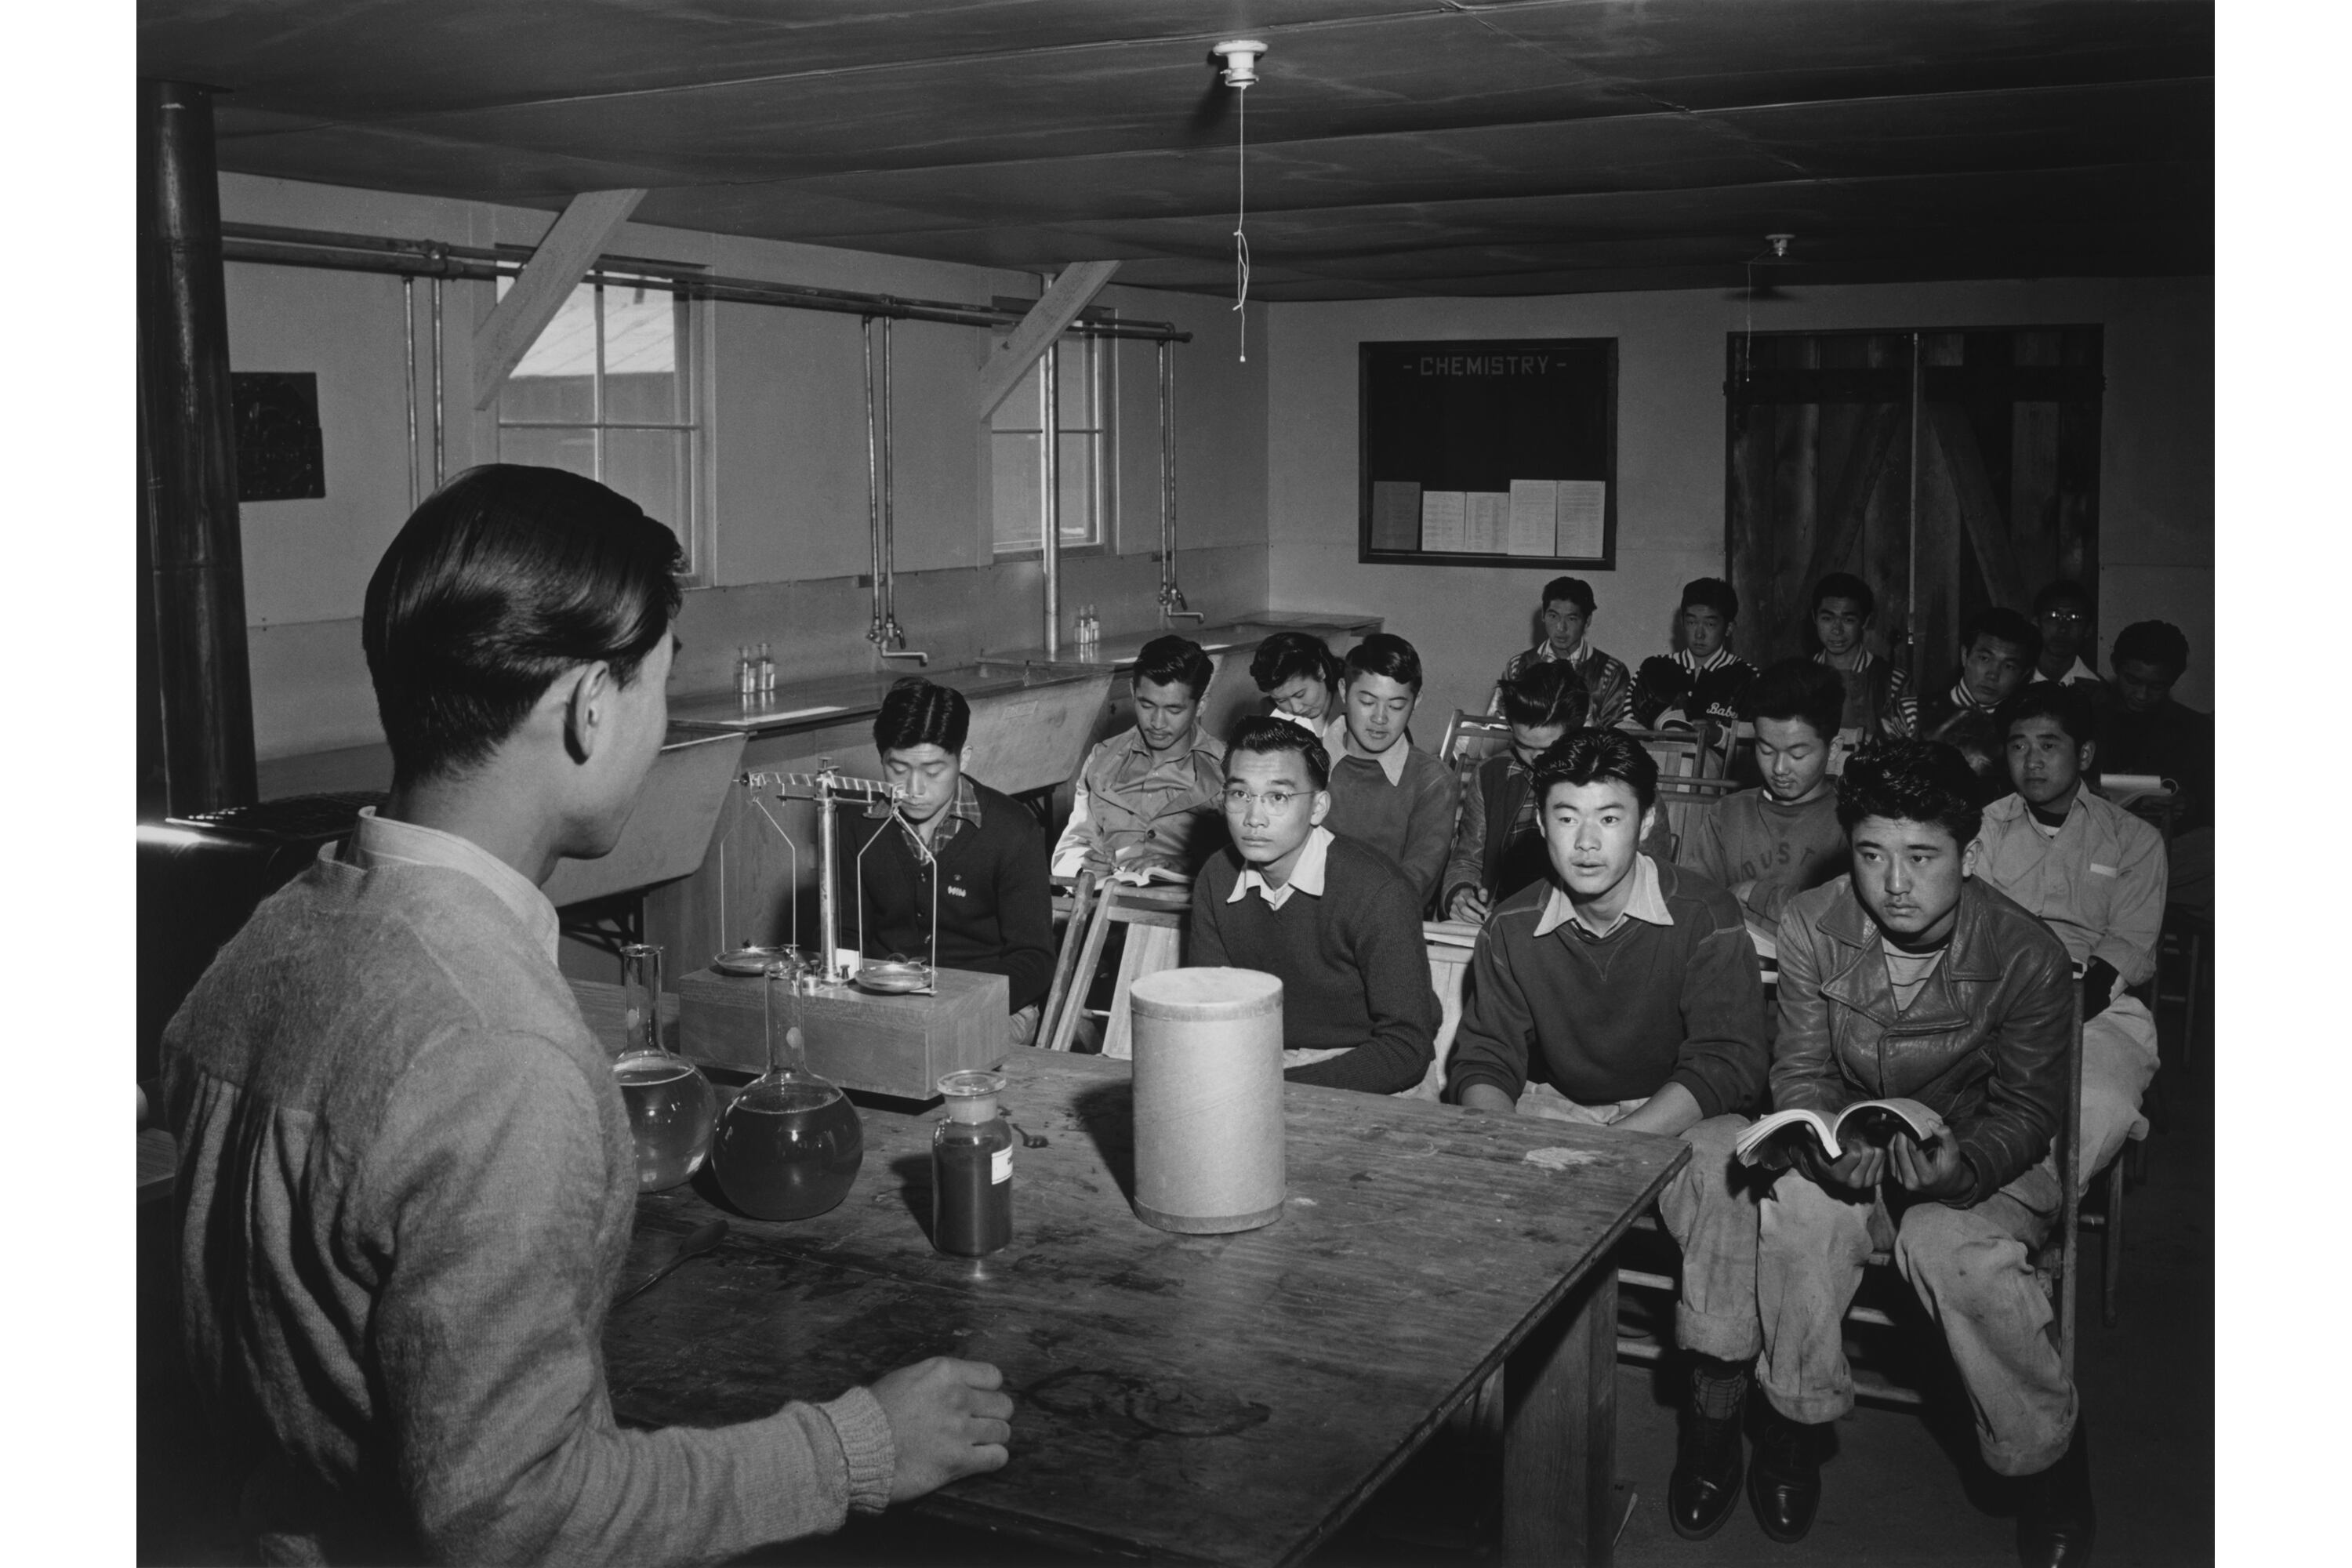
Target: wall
[(787, 535), (2156, 541)]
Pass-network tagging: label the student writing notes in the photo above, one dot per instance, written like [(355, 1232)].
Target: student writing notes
[(1498, 845), (1148, 798), (954, 846), (1330, 919), (1622, 992), (405, 1172), (1300, 677), (1387, 794), (1911, 977)]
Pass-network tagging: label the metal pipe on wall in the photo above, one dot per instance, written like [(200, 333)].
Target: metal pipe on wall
[(408, 332), (1171, 597), (1049, 475), (187, 459), (873, 493), (440, 419)]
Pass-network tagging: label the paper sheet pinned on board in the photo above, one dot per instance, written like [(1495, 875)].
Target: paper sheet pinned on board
[(1396, 514), (1583, 507), (1535, 516), (1441, 518), (1486, 521)]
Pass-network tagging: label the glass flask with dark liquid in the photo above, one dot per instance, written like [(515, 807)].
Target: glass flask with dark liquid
[(791, 1145), (670, 1102), (971, 1168)]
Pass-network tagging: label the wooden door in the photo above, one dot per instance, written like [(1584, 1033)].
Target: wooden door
[(1949, 470)]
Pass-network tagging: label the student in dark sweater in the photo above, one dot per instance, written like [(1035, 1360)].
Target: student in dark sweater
[(1336, 922), (985, 853), (1622, 992), (1767, 844), (1385, 793)]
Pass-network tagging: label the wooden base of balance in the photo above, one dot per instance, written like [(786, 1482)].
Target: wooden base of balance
[(898, 1045)]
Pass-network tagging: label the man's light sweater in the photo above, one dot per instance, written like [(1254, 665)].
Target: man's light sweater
[(408, 1186)]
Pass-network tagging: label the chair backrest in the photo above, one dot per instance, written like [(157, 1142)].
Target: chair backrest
[(1681, 799), (1154, 915), (1471, 739)]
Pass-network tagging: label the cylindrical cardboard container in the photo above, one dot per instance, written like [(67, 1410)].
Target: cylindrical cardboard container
[(1208, 1099)]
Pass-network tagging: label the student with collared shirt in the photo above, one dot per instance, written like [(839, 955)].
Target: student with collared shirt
[(1998, 648), (1332, 919), (1766, 844), (1300, 677), (406, 1181), (1704, 680), (2096, 875), (1568, 612), (2067, 617), (1498, 846), (954, 844), (1878, 702), (1624, 992), (1386, 792), (1150, 797)]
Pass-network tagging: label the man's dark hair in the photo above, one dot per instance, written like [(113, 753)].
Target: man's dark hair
[(1384, 654), (1590, 756), (1265, 735), (2159, 643), (1285, 656), (1845, 585), (2002, 625), (1547, 692), (2060, 591), (1911, 780), (1164, 661), (505, 577), (919, 712), (1713, 592), (1800, 688), (2053, 700), (1572, 589)]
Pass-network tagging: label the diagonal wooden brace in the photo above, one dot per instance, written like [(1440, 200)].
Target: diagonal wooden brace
[(1072, 292), (563, 259)]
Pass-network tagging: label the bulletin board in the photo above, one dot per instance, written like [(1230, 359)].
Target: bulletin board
[(1487, 452)]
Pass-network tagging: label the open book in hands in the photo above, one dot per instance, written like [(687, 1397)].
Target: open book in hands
[(1873, 1121)]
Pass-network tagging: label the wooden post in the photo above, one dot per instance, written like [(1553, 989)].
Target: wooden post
[(187, 459)]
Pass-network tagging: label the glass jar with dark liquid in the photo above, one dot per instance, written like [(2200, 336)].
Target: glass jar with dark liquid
[(971, 1168), (669, 1100), (790, 1145)]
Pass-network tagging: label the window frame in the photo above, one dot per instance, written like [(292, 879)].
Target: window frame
[(1104, 433), (697, 531)]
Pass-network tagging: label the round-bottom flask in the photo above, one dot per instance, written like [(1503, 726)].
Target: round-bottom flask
[(670, 1101), (971, 1168), (790, 1145)]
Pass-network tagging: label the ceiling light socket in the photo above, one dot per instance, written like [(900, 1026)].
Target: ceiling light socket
[(1779, 243), (1240, 55)]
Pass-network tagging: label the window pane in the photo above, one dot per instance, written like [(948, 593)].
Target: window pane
[(649, 467), (558, 449), (1077, 391), (1077, 491), (1019, 409), (1017, 491), (556, 377), (641, 359)]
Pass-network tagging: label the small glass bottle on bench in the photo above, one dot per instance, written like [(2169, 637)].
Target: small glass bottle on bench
[(971, 1168)]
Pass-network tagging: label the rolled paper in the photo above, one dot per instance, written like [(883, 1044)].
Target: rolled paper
[(1208, 1099)]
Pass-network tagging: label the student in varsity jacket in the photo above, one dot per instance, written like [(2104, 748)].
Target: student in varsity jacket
[(1998, 648), (1878, 701), (1704, 681), (954, 844)]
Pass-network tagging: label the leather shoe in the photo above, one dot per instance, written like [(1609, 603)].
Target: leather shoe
[(2055, 1520), (1705, 1482), (1784, 1482)]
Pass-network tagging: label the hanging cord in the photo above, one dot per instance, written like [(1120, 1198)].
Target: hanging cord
[(1240, 210)]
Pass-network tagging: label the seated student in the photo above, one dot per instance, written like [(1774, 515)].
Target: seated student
[(1767, 844), (1333, 921), (1300, 677), (1704, 680), (2095, 874), (1625, 992), (406, 1176), (1911, 977), (1149, 797), (982, 849), (2067, 616), (1385, 792), (1567, 614), (1998, 650), (1498, 846), (2143, 731), (1878, 701)]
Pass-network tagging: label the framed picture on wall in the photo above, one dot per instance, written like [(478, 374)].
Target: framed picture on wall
[(1487, 452)]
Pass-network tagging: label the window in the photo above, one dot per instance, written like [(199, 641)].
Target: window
[(609, 391), (1084, 371)]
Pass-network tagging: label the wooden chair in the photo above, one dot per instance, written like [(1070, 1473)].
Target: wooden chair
[(1682, 796), (1154, 917), (1471, 739), (2054, 1262), (1073, 899)]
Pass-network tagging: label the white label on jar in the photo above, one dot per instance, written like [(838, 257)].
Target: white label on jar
[(1000, 1166)]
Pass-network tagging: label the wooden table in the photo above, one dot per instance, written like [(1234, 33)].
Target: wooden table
[(1227, 1399)]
